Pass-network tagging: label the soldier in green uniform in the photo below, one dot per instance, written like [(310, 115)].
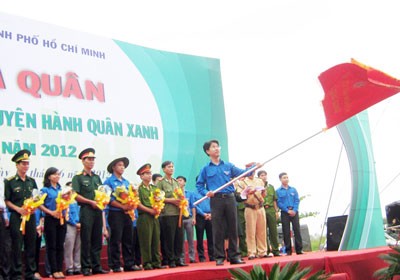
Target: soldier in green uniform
[(85, 183), (172, 233), (147, 225), (272, 214), (16, 189), (240, 186)]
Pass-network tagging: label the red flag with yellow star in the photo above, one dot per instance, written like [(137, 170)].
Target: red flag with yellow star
[(353, 87)]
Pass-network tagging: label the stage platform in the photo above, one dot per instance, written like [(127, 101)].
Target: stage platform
[(360, 264)]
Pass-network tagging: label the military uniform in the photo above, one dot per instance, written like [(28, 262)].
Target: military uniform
[(91, 219), (241, 221), (270, 213), (173, 235), (148, 227), (16, 191)]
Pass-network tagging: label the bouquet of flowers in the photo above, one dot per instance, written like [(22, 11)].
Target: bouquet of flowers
[(183, 205), (102, 196), (128, 197), (30, 205), (64, 199), (157, 198)]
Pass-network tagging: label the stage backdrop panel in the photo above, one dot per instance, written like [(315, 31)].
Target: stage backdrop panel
[(62, 91)]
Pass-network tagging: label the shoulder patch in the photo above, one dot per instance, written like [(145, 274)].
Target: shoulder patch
[(10, 178)]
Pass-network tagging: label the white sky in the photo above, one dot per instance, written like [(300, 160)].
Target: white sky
[(271, 54)]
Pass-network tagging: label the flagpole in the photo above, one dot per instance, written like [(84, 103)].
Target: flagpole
[(256, 167)]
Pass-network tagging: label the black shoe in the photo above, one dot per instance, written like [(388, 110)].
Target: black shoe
[(288, 253), (277, 255), (212, 259), (203, 260), (132, 268), (100, 271), (237, 261), (77, 272), (299, 253), (158, 266), (220, 262), (251, 258), (172, 265), (193, 261), (181, 264), (86, 272), (117, 269), (148, 267), (69, 272)]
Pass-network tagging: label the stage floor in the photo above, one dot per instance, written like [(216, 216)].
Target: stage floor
[(360, 264)]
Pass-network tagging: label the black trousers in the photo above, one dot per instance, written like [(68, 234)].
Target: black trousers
[(54, 233), (91, 237), (19, 241), (201, 226), (286, 220), (172, 238), (223, 210), (5, 249), (136, 247), (121, 236)]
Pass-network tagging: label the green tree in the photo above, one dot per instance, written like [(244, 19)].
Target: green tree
[(290, 271)]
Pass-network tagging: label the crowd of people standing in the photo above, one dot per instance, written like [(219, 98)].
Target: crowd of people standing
[(239, 221)]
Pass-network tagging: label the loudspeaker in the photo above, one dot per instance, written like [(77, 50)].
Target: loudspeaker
[(305, 236), (334, 232), (393, 213)]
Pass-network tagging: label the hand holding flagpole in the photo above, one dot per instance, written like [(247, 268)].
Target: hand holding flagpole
[(258, 165)]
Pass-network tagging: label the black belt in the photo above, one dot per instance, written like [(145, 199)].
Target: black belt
[(223, 195), (253, 206)]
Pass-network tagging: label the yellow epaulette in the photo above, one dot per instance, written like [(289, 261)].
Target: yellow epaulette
[(79, 173), (10, 178)]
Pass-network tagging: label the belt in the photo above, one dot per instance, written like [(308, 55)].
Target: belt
[(2, 210), (253, 206), (223, 195)]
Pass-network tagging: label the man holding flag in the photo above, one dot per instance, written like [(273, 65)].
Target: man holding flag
[(223, 204)]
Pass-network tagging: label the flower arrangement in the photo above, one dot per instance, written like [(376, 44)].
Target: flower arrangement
[(30, 205), (157, 198), (183, 205), (102, 196), (64, 199), (128, 197)]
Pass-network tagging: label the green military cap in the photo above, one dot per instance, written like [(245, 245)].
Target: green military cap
[(145, 168), (89, 152), (22, 155), (115, 161)]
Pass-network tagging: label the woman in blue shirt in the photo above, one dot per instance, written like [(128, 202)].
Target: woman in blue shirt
[(54, 232)]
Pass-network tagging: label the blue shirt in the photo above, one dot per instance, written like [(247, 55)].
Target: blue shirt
[(113, 182), (52, 194), (136, 217), (213, 176), (188, 196), (74, 209), (38, 215), (203, 207), (288, 198)]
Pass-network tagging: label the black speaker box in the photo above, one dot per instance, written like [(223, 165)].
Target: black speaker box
[(393, 213), (334, 232)]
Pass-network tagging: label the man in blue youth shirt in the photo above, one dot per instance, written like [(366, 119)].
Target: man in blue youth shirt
[(202, 220), (288, 201), (223, 204), (119, 221), (187, 222)]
